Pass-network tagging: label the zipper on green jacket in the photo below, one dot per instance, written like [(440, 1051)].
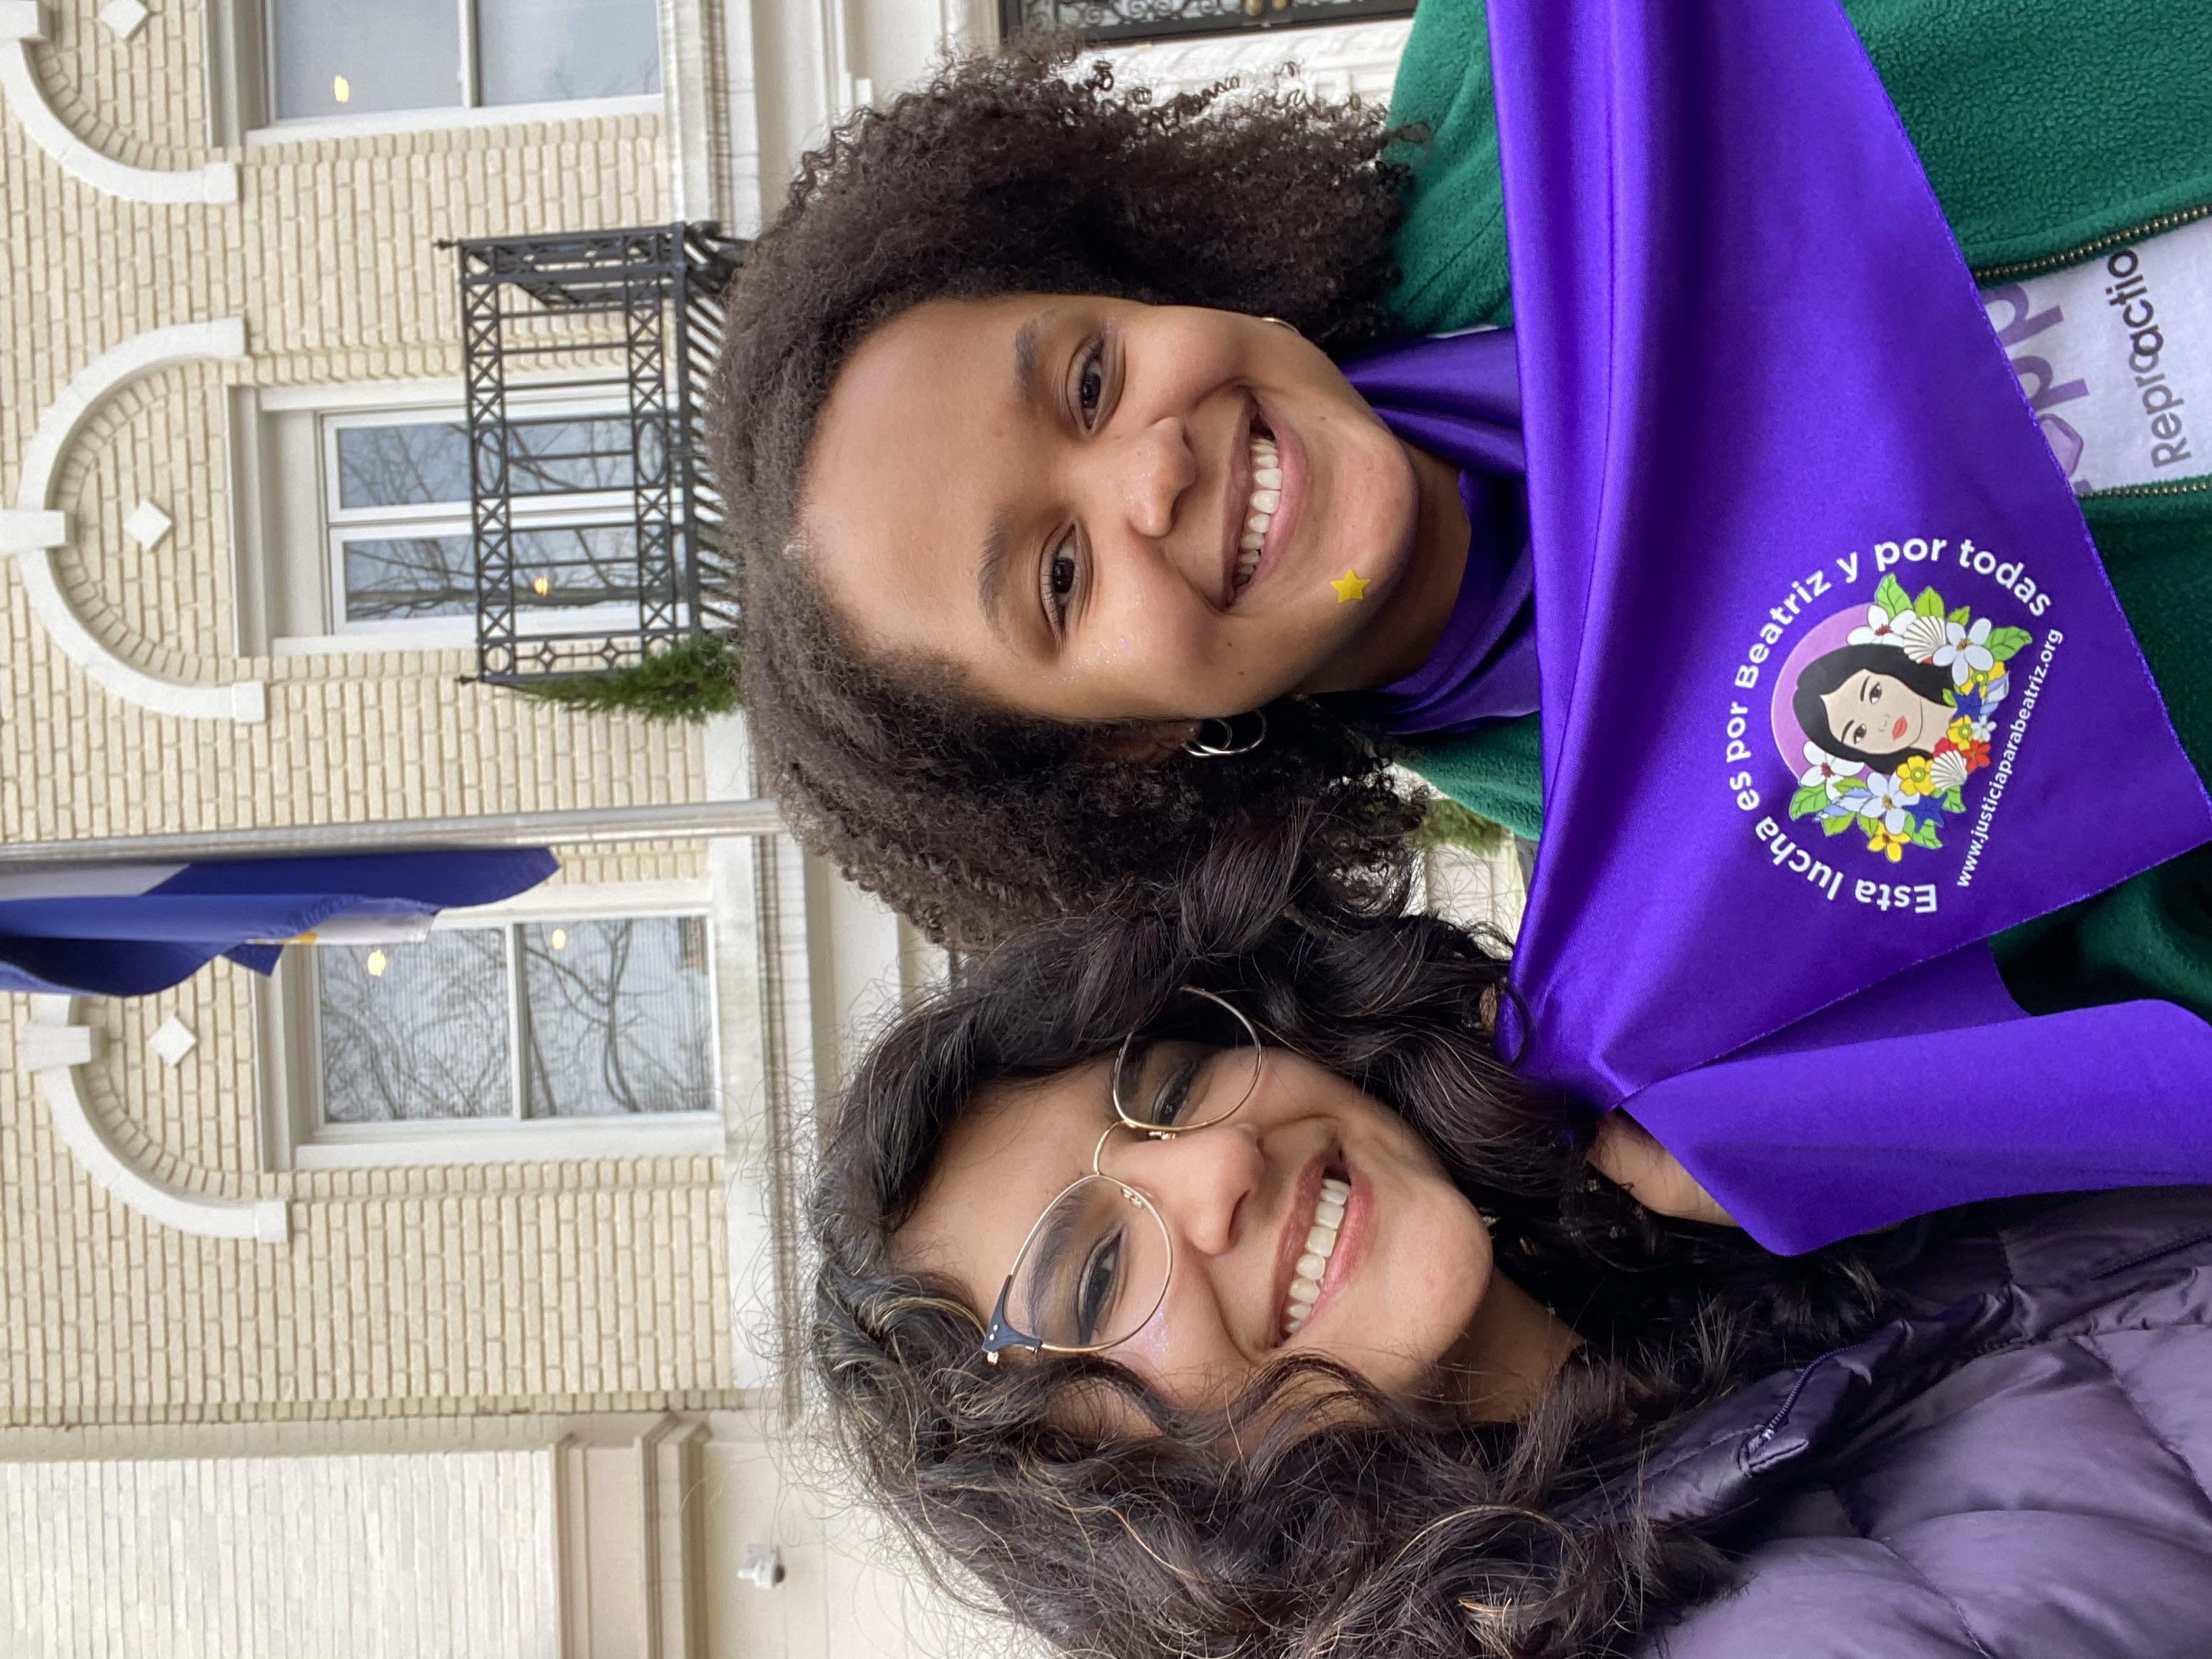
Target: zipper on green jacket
[(2196, 486), (2164, 221), (2095, 245)]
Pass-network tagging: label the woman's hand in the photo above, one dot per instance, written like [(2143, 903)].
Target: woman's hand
[(1625, 1154)]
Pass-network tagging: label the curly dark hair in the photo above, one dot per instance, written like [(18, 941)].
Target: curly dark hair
[(1292, 1523), (1015, 174)]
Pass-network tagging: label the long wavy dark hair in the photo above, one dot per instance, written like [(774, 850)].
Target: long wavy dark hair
[(1333, 1517), (1825, 672), (1019, 174)]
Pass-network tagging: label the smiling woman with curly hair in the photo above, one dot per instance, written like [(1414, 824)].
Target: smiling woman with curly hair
[(1007, 177), (1058, 551), (1201, 1285)]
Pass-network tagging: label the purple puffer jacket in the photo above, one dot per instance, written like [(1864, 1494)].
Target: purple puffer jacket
[(2017, 1469)]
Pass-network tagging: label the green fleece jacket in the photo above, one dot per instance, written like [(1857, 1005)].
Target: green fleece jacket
[(2049, 128)]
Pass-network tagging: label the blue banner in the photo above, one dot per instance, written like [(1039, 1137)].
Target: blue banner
[(109, 931)]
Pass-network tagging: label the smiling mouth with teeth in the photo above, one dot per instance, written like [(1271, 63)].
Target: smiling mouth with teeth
[(1259, 511), (1313, 1260)]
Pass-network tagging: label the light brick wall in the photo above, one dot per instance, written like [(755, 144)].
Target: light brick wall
[(574, 1286), (414, 1555), (137, 101), (579, 1286)]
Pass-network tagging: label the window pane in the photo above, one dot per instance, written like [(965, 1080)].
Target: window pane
[(615, 1017), (345, 58), (566, 568), (553, 456), (390, 578), (415, 1031), (403, 465), (587, 564), (533, 52)]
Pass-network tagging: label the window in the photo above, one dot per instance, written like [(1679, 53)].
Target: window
[(396, 495), (274, 68), (351, 525), (539, 1020), (330, 57), (530, 1035)]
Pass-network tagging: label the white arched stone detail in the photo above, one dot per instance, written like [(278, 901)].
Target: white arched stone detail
[(50, 1047), (22, 23), (32, 530)]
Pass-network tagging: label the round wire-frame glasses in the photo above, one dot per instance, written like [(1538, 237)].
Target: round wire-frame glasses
[(1088, 1275)]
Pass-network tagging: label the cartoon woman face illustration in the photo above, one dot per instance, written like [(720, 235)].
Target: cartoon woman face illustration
[(1872, 703)]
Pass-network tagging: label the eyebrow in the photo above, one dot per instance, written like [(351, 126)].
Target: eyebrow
[(1026, 359), (998, 543), (991, 573)]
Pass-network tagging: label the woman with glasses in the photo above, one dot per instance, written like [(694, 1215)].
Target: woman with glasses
[(1210, 1289)]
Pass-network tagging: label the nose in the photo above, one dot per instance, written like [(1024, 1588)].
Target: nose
[(1148, 472), (1197, 1180)]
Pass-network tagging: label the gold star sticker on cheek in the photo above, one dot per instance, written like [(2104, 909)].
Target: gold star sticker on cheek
[(1350, 585)]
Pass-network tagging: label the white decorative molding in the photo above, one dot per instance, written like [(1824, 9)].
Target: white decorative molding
[(172, 1041), (124, 18), (22, 24), (147, 524), (632, 1544), (51, 1049), (29, 533), (32, 530)]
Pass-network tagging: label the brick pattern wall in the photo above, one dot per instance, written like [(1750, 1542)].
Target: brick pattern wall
[(137, 101), (578, 1287), (416, 1556), (573, 1286)]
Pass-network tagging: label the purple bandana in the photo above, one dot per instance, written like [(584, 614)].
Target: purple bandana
[(1458, 397), (1834, 687)]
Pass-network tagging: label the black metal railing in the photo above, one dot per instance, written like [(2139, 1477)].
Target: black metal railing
[(594, 520), (1106, 21)]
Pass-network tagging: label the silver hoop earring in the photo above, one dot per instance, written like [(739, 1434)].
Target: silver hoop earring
[(1279, 323), (1203, 746)]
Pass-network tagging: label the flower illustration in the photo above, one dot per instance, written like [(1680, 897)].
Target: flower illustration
[(1891, 846), (1923, 637), (1881, 628), (1823, 767), (1901, 798), (1964, 651), (1878, 800)]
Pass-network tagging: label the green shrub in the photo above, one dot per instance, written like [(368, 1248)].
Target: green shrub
[(692, 680)]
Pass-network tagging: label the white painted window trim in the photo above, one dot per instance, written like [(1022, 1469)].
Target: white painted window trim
[(294, 1138), (271, 549), (305, 128)]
